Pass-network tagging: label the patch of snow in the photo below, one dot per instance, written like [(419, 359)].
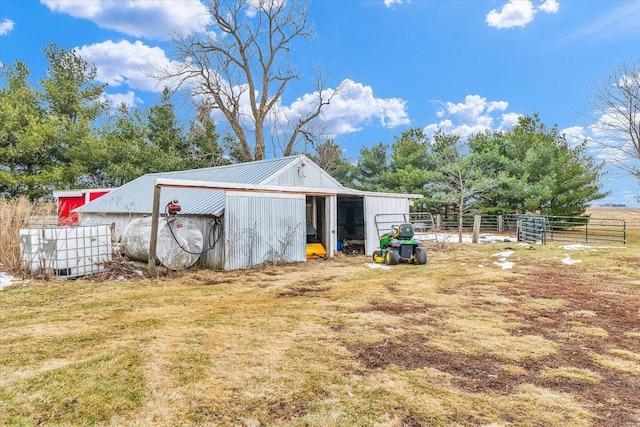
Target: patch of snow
[(570, 261), (466, 238), (505, 265), (7, 280), (576, 247), (494, 238), (505, 254), (380, 266)]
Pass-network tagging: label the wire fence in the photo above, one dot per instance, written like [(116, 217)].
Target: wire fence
[(488, 223), (542, 228)]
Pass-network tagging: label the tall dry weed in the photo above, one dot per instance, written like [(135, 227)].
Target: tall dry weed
[(16, 214)]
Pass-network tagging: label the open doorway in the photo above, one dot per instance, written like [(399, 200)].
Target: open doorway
[(317, 236), (351, 227)]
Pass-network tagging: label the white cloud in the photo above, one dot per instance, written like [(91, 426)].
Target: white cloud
[(126, 63), (604, 143), (353, 107), (519, 13), (516, 13), (509, 120), (550, 6), (390, 3), (6, 26), (117, 99), (153, 19), (253, 6), (574, 135), (471, 117), (608, 143), (356, 105)]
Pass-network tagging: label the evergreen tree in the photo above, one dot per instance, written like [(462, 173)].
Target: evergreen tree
[(28, 138), (371, 168), (203, 137), (330, 157), (168, 148), (539, 171), (126, 150), (409, 162), (74, 102)]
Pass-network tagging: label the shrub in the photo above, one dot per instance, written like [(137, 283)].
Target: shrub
[(16, 214)]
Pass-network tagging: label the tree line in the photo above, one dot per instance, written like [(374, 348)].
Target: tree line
[(530, 168), (65, 135)]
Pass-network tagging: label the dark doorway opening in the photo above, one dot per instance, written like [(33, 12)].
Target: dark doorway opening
[(316, 220), (351, 227)]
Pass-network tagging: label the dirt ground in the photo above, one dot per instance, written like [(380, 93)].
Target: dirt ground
[(498, 334), (595, 317)]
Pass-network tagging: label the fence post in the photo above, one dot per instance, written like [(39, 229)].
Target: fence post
[(153, 240), (438, 222), (586, 232), (477, 219), (500, 224)]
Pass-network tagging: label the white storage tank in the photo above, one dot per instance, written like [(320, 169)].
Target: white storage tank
[(179, 244), (66, 251)]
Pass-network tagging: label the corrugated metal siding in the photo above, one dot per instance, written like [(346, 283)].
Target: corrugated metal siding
[(213, 239), (287, 178), (263, 228), (379, 205), (309, 175), (332, 225), (118, 221)]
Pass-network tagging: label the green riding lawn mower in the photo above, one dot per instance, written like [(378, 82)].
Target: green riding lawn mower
[(397, 242)]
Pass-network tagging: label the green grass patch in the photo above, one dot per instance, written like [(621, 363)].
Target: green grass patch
[(84, 393)]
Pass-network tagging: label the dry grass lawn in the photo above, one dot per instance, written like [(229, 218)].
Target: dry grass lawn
[(459, 341)]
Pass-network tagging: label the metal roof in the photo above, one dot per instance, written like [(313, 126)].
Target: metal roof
[(136, 197)]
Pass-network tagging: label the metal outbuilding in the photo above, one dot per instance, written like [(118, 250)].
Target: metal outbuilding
[(68, 200), (255, 212)]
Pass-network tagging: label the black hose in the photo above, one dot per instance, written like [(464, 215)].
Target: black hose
[(212, 232)]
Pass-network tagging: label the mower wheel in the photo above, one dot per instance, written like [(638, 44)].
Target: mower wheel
[(392, 257), (377, 256), (420, 256)]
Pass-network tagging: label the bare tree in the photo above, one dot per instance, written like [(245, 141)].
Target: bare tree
[(459, 179), (616, 100), (241, 66)]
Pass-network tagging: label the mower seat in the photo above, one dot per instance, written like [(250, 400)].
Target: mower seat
[(405, 231)]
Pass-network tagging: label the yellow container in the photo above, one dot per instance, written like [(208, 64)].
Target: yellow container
[(316, 250)]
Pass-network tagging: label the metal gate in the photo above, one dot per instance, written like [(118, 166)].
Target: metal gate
[(543, 229), (531, 229)]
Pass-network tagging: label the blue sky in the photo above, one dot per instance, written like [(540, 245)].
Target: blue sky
[(464, 66)]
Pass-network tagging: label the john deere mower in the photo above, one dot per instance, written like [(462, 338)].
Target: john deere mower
[(398, 244)]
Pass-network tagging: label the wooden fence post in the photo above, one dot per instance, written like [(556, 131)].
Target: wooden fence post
[(153, 239), (476, 228)]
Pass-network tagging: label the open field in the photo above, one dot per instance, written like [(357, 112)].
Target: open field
[(628, 214), (554, 340)]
